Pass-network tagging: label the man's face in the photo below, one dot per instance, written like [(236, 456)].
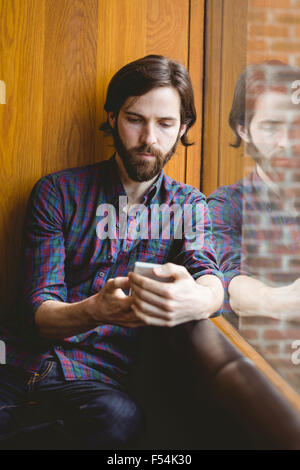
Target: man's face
[(273, 137), (146, 132)]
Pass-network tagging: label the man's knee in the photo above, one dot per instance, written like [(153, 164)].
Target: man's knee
[(5, 421), (10, 426), (112, 420), (125, 418)]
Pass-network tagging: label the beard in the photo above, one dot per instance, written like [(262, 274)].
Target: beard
[(278, 165), (139, 169), (270, 163)]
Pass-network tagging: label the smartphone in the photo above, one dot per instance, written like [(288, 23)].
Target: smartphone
[(146, 269)]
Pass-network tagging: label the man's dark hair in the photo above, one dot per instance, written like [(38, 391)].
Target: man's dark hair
[(255, 80), (143, 75)]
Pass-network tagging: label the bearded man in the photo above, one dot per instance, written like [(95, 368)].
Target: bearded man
[(81, 295)]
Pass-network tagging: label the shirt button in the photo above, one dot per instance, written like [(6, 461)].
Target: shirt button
[(101, 274), (109, 257)]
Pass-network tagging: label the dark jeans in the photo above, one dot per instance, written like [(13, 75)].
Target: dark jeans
[(80, 414)]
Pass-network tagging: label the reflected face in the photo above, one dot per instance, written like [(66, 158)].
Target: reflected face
[(273, 137), (146, 132)]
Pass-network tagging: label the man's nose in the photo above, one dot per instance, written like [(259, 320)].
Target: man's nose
[(285, 138), (148, 135)]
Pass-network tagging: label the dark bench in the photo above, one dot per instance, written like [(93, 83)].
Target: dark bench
[(197, 391)]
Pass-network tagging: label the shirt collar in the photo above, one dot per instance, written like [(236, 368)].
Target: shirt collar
[(263, 196), (259, 192), (153, 191)]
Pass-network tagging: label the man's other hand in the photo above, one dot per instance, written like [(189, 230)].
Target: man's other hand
[(171, 303), (112, 305)]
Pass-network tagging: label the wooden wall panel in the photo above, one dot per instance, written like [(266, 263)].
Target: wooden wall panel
[(120, 40), (168, 34), (234, 58), (196, 63), (130, 29), (21, 68), (226, 49), (69, 83), (56, 60), (212, 95)]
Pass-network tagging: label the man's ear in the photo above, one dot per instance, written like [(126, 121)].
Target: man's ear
[(243, 133), (182, 130), (112, 119)]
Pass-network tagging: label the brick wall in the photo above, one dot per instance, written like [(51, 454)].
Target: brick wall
[(274, 31), (271, 242), (278, 342)]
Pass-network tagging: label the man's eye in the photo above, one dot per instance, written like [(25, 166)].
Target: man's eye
[(165, 124), (133, 120), (269, 127)]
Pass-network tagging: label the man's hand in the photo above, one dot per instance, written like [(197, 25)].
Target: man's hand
[(153, 303), (171, 303), (111, 305)]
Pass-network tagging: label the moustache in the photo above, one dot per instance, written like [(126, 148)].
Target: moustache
[(149, 149)]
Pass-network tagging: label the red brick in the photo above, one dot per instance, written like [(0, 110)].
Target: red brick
[(296, 31), (281, 364), (268, 30), (257, 16), (292, 192), (269, 3), (256, 58), (261, 234), (287, 162), (271, 349), (294, 263), (297, 61), (285, 46), (296, 4), (282, 278), (280, 249), (257, 45), (250, 334), (288, 348), (263, 262), (258, 322), (287, 18), (279, 334), (293, 376), (296, 177)]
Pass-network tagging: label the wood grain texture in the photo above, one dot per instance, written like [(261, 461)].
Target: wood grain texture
[(212, 95), (21, 68), (234, 55), (196, 59), (168, 34), (56, 60), (128, 30), (2, 92), (69, 83), (226, 50), (121, 39)]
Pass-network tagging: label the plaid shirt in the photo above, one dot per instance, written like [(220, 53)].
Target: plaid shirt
[(67, 260), (250, 208)]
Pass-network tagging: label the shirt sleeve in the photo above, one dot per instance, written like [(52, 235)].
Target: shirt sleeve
[(197, 252), (226, 217), (44, 251)]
